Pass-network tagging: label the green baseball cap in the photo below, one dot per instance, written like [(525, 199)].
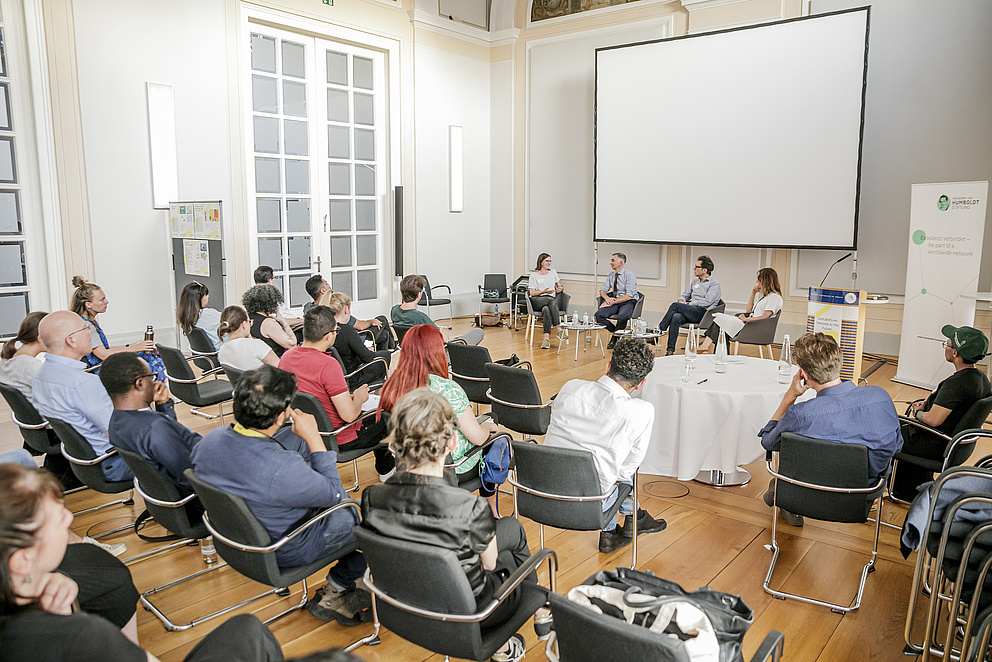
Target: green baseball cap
[(968, 341)]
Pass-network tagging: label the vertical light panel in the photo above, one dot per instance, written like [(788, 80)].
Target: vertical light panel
[(456, 179), (162, 141)]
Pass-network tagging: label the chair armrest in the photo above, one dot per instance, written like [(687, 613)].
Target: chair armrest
[(524, 364), (196, 353), (512, 480), (377, 359), (26, 426), (489, 394), (87, 463), (344, 427), (923, 426), (963, 437), (434, 287), (475, 450), (467, 378), (771, 648), (203, 375), (826, 488), (527, 567), (460, 341), (93, 367), (344, 503), (370, 332), (985, 462), (159, 502)]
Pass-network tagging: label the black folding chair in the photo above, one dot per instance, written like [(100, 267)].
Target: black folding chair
[(195, 391)]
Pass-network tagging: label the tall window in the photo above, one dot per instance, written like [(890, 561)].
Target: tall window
[(317, 109)]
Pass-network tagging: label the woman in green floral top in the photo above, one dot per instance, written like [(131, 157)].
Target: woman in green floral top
[(423, 362)]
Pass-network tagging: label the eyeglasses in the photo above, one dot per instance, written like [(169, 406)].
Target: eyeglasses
[(140, 377), (85, 328), (947, 344), (698, 266)]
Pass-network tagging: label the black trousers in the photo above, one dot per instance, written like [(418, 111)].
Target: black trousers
[(241, 638), (910, 476), (370, 434), (105, 585), (512, 549)]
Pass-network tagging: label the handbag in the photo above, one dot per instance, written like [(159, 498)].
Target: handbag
[(496, 462), (512, 361), (709, 625)]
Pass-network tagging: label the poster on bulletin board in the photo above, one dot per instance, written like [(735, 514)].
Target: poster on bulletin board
[(181, 220), (206, 220), (196, 257)]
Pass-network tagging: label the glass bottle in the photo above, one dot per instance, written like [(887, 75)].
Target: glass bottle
[(207, 550), (721, 352), (785, 362), (691, 344)]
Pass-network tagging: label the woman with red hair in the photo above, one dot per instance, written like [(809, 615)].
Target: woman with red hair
[(423, 362)]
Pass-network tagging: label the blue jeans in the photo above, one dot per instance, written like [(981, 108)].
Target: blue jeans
[(626, 508), (337, 532), (18, 456), (678, 314)]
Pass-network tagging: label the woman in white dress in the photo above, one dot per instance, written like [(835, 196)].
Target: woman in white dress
[(765, 301), (547, 296), (240, 350)]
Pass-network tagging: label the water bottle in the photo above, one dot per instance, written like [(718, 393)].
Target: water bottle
[(207, 550), (721, 352), (691, 344), (585, 318), (785, 362), (149, 333)]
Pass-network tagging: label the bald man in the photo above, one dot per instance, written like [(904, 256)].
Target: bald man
[(63, 390)]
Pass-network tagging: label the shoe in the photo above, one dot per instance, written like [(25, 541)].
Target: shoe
[(116, 550), (669, 352), (645, 524), (514, 653), (610, 541), (612, 343), (768, 498), (347, 607), (546, 343), (384, 477), (562, 335), (543, 624), (792, 518)]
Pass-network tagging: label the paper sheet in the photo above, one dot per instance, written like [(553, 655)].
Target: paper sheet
[(729, 323), (181, 220), (206, 220), (371, 403), (196, 257)]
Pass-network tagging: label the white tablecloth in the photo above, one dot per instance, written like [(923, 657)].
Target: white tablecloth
[(713, 425)]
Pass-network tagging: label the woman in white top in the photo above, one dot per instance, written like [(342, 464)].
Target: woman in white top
[(547, 295), (193, 312), (18, 365), (765, 301), (240, 350)]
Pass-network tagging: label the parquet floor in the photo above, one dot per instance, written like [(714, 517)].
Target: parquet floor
[(715, 537)]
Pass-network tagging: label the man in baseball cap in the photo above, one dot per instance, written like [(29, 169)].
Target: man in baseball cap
[(943, 410)]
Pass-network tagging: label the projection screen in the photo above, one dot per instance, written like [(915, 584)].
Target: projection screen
[(743, 137)]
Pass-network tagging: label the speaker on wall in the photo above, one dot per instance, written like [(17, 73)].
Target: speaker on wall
[(398, 229)]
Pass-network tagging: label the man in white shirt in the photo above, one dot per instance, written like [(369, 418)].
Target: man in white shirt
[(601, 417)]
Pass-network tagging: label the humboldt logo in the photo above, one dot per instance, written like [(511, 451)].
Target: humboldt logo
[(943, 203)]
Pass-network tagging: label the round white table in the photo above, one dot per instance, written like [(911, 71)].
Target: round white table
[(706, 428)]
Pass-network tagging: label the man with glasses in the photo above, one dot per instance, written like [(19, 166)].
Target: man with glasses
[(702, 294), (62, 389)]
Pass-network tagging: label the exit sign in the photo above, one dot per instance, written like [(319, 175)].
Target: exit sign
[(328, 2)]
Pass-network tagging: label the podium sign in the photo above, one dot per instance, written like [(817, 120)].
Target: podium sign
[(841, 315)]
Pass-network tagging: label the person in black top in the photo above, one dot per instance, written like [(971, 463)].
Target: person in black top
[(262, 305), (351, 346), (943, 409)]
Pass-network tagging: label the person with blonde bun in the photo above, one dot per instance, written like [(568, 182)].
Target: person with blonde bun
[(240, 350)]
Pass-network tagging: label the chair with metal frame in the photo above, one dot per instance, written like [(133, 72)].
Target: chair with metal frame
[(468, 370), (34, 429), (758, 332), (242, 541), (535, 318), (204, 354), (400, 331), (560, 487), (516, 399), (493, 283), (233, 375), (375, 384), (972, 592), (829, 481), (428, 299), (195, 391), (434, 606)]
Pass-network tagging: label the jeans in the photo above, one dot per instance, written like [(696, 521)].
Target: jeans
[(512, 552), (678, 314), (624, 311), (337, 532), (626, 508), (18, 456), (551, 308), (370, 434)]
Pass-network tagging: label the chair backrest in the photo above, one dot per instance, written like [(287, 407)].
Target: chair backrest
[(160, 488), (470, 361), (439, 584), (78, 447), (176, 367), (337, 357), (309, 403), (707, 319), (759, 332), (200, 343), (400, 332), (562, 471), (826, 463), (973, 419), (427, 297), (495, 282), (25, 414), (585, 636), (233, 374), (517, 386)]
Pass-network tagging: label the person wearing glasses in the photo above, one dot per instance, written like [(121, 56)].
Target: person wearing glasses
[(702, 294), (63, 389), (547, 295)]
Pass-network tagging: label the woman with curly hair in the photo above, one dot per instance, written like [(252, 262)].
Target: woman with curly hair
[(88, 301), (193, 311), (262, 304)]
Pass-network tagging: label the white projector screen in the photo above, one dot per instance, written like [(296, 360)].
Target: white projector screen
[(744, 137)]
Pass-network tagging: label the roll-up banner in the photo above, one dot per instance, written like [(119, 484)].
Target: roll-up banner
[(946, 226)]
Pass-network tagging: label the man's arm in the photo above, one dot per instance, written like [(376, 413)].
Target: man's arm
[(934, 417), (349, 405), (315, 486), (784, 419), (171, 443), (638, 449), (94, 403), (687, 295)]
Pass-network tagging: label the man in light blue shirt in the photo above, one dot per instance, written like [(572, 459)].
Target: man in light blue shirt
[(619, 295), (702, 294), (63, 390)]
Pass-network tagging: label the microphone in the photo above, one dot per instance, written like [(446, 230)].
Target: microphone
[(832, 266)]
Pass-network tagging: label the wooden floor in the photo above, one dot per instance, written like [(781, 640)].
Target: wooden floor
[(716, 537)]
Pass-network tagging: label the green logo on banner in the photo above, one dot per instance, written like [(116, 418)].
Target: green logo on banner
[(943, 203), (919, 237)]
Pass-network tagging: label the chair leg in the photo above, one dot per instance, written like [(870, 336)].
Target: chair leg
[(354, 465), (158, 550), (300, 605), (179, 627), (129, 501), (372, 639)]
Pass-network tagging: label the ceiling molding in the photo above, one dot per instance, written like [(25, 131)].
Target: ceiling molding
[(463, 31), (693, 5)]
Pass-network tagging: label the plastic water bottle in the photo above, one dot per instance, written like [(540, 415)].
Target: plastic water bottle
[(207, 550), (721, 352), (585, 318), (691, 344), (785, 362)]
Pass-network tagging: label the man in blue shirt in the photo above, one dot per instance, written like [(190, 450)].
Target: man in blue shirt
[(281, 490), (619, 295), (840, 412), (702, 294), (63, 390)]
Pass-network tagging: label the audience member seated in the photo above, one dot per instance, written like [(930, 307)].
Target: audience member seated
[(840, 412), (406, 314), (547, 295), (267, 323), (62, 389), (155, 435), (319, 374), (263, 276), (37, 617), (351, 346), (194, 312), (965, 346), (702, 294), (421, 504), (619, 295), (768, 293), (316, 287), (423, 362), (18, 364), (240, 350), (88, 301), (379, 325), (281, 490), (601, 417)]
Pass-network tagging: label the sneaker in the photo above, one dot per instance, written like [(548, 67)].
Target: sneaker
[(514, 653), (346, 607), (384, 477), (645, 524), (543, 626), (610, 541), (116, 550), (669, 352), (612, 343), (546, 343)]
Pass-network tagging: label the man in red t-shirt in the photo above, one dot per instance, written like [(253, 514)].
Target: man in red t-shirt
[(319, 374)]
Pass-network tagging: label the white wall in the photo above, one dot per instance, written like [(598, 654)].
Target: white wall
[(501, 188)]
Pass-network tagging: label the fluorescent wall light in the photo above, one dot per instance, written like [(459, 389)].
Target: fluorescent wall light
[(456, 177)]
